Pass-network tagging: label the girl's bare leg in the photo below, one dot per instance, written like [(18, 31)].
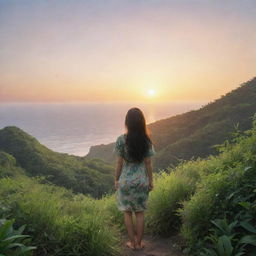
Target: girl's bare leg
[(129, 227), (139, 228)]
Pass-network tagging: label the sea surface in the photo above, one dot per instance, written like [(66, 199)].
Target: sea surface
[(74, 127)]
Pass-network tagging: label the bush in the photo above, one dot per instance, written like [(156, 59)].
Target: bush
[(59, 221), (169, 191), (226, 193), (12, 240)]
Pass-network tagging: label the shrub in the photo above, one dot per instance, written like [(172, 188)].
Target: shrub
[(59, 221), (226, 193), (12, 241)]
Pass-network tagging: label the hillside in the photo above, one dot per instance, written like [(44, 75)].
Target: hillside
[(209, 205), (92, 177), (194, 133)]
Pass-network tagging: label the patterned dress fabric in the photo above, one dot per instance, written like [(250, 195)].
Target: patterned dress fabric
[(132, 194)]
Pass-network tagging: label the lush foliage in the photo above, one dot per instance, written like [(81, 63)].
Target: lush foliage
[(225, 192), (166, 197), (60, 222), (213, 200), (93, 177), (12, 241)]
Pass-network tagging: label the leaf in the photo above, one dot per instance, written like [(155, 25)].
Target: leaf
[(21, 229), (224, 246), (208, 252), (28, 248), (246, 205), (14, 245), (15, 237), (219, 224), (239, 254), (248, 240), (247, 168), (4, 230), (231, 195), (246, 225), (232, 225)]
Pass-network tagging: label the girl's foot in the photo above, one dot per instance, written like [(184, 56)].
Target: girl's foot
[(140, 246), (130, 245)]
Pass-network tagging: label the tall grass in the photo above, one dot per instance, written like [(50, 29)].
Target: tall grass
[(196, 192), (170, 190), (212, 197), (61, 223), (189, 198)]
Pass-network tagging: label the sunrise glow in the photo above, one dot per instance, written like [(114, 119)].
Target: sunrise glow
[(112, 50), (151, 92)]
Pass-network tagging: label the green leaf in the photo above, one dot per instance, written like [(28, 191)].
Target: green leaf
[(247, 168), (219, 224), (15, 237), (246, 225), (246, 205), (28, 248), (21, 229), (15, 245), (248, 240), (224, 246), (4, 230), (208, 252)]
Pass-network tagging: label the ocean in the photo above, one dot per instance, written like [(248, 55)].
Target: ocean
[(73, 127)]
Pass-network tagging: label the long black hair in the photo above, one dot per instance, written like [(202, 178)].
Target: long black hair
[(138, 138)]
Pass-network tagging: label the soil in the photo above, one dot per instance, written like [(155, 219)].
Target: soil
[(155, 246)]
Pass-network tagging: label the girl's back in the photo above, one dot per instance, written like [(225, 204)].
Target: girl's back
[(133, 182)]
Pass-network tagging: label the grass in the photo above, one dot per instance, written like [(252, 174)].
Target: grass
[(60, 222)]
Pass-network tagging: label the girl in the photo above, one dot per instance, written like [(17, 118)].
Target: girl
[(133, 176)]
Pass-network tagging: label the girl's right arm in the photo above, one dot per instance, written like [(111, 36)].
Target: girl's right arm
[(148, 165)]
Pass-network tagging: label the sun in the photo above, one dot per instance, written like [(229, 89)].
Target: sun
[(151, 92)]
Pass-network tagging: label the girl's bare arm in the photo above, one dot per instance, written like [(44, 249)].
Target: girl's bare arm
[(149, 168), (119, 165)]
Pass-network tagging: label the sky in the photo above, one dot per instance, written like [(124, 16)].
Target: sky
[(133, 50)]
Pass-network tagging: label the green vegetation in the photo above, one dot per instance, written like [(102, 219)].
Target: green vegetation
[(8, 166), (46, 191), (11, 240), (60, 222), (93, 177), (193, 134), (212, 201)]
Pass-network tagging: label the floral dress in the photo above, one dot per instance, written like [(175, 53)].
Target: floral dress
[(133, 189)]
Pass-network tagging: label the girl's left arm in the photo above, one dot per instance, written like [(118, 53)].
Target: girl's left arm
[(119, 165)]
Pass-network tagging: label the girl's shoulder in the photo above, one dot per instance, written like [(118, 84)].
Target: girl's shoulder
[(121, 138)]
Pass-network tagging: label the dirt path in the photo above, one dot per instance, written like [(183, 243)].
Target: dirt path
[(155, 246)]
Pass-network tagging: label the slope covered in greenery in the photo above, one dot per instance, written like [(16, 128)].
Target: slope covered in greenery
[(211, 201), (58, 221), (93, 177), (194, 133)]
